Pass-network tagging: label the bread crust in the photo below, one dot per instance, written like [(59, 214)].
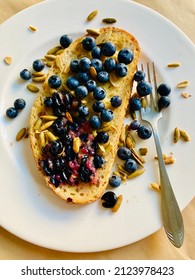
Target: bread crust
[(84, 193)]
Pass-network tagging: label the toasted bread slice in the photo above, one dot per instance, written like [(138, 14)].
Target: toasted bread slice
[(83, 191)]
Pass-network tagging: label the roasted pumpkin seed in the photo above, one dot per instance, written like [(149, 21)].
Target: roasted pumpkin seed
[(176, 135), (118, 203), (48, 117), (109, 20), (94, 32), (54, 50), (51, 136), (32, 28), (39, 79), (184, 135), (76, 144), (155, 186), (21, 134), (183, 84), (92, 15), (136, 173), (46, 125), (174, 64), (32, 88), (8, 60)]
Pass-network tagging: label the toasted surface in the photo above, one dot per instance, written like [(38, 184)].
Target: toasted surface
[(84, 192)]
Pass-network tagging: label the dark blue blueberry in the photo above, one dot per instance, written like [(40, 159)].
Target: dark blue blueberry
[(102, 137), (59, 163), (56, 99), (164, 89), (135, 104), (116, 101), (72, 82), (98, 106), (84, 63), (91, 85), (11, 112), (58, 126), (66, 139), (144, 132), (48, 102), (95, 122), (83, 77), (108, 49), (88, 43), (115, 181), (25, 74), (84, 137), (110, 64), (97, 64), (99, 93), (98, 161), (83, 111), (54, 81), (139, 76), (96, 52), (19, 104), (121, 70), (74, 65), (144, 88), (109, 199), (134, 125), (163, 102), (56, 147), (38, 65), (65, 41), (131, 165), (103, 77), (125, 56), (81, 92), (106, 115), (70, 154), (55, 179), (123, 153)]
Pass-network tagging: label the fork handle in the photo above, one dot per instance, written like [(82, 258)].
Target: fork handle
[(172, 218)]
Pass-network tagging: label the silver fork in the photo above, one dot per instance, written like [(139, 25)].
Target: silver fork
[(172, 218)]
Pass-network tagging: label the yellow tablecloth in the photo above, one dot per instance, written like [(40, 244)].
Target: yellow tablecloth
[(156, 246)]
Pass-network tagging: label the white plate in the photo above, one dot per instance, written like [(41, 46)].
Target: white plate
[(27, 208)]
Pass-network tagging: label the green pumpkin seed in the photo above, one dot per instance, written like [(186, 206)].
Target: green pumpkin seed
[(92, 15), (136, 173), (109, 20), (176, 135), (54, 50), (94, 32), (33, 88), (21, 134)]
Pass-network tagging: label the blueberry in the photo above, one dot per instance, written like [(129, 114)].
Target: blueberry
[(144, 132), (11, 112), (144, 88), (109, 199), (95, 122), (116, 101), (108, 49), (88, 43), (70, 154), (83, 111), (99, 93), (106, 115), (84, 63), (135, 104), (125, 56), (102, 137), (98, 106), (134, 125), (81, 92), (139, 76), (163, 102), (109, 64), (54, 81), (91, 85), (130, 165), (164, 89), (38, 65), (121, 69), (25, 74), (115, 181), (65, 41), (56, 147), (48, 102), (19, 104), (103, 77), (123, 153), (83, 77), (72, 82), (97, 64), (98, 161), (74, 65), (96, 52)]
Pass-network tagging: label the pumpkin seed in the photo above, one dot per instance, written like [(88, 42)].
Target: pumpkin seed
[(48, 117), (51, 57), (122, 169), (183, 84), (69, 117), (32, 88), (8, 60), (46, 125), (118, 203), (37, 124), (51, 136), (76, 144), (114, 80), (92, 15), (38, 74), (42, 139), (59, 62), (136, 173), (49, 63), (21, 134), (184, 135), (93, 72), (102, 149), (54, 50), (143, 151), (155, 186), (94, 32), (32, 28), (59, 51), (130, 142), (174, 64), (176, 135), (39, 79), (109, 20)]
